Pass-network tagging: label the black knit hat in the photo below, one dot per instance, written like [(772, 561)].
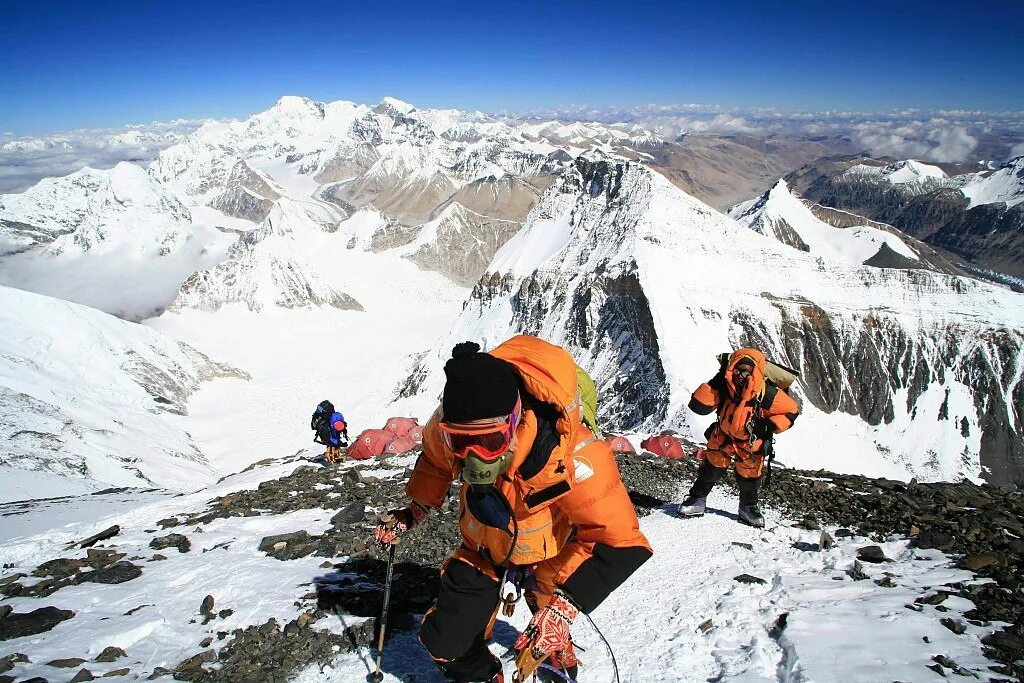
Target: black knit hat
[(479, 385), (746, 360)]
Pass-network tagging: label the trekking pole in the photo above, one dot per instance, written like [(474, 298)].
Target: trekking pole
[(377, 676)]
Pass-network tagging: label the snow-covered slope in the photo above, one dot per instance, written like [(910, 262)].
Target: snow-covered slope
[(978, 216), (905, 372), (1005, 184), (112, 239), (94, 211), (912, 176), (991, 186), (268, 266), (780, 215), (267, 577), (87, 400)]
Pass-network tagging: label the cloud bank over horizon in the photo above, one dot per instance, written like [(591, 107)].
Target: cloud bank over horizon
[(940, 135), (948, 135), (25, 160)]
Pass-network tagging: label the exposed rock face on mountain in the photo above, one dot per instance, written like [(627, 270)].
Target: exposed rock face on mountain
[(85, 395), (642, 283), (204, 172), (94, 210), (270, 266), (460, 243), (247, 194), (977, 216)]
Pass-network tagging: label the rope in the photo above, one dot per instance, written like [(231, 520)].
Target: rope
[(561, 674), (615, 663)]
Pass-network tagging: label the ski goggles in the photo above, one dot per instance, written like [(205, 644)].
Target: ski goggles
[(486, 441), (742, 372)]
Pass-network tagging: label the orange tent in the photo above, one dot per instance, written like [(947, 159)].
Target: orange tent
[(400, 426), (401, 444), (665, 445), (369, 444), (416, 434), (619, 444)]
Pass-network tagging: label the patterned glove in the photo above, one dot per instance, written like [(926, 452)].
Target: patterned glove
[(394, 523), (548, 631)]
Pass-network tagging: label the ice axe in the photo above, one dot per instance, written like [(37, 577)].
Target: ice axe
[(526, 663), (377, 676)]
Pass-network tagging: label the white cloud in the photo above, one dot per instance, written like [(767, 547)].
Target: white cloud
[(1017, 150), (26, 160), (947, 135), (954, 144)]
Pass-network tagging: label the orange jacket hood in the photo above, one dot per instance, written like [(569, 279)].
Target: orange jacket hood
[(755, 386)]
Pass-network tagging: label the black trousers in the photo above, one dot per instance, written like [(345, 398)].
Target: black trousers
[(455, 631), (708, 475)]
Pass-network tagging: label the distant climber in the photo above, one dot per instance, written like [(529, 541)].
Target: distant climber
[(542, 508), (751, 410), (329, 428)]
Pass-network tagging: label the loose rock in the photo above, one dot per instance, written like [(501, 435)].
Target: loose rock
[(111, 654), (747, 578), (872, 553), (69, 663), (16, 625), (171, 541), (109, 532), (118, 573)]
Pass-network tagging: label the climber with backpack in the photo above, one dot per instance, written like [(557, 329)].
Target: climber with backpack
[(329, 429), (753, 403), (542, 509)]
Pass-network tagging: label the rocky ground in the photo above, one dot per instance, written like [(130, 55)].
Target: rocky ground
[(983, 527)]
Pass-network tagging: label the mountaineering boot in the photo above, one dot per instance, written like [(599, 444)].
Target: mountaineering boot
[(707, 476), (751, 514), (692, 507)]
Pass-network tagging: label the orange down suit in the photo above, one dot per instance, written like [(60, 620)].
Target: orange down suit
[(572, 519), (735, 437)]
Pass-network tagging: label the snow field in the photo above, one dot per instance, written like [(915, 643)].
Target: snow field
[(357, 359), (167, 629), (836, 630)]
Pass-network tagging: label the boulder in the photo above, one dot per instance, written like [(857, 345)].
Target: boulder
[(747, 578), (69, 663), (117, 573), (111, 654), (109, 532), (290, 546), (16, 625), (171, 541), (352, 513), (872, 553)]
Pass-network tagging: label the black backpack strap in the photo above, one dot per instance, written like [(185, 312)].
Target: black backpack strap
[(770, 392)]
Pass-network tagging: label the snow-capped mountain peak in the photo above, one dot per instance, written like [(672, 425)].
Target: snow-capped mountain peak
[(784, 217), (397, 105), (1005, 184), (95, 209), (641, 282)]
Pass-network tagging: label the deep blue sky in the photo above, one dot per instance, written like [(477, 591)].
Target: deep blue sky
[(93, 63)]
